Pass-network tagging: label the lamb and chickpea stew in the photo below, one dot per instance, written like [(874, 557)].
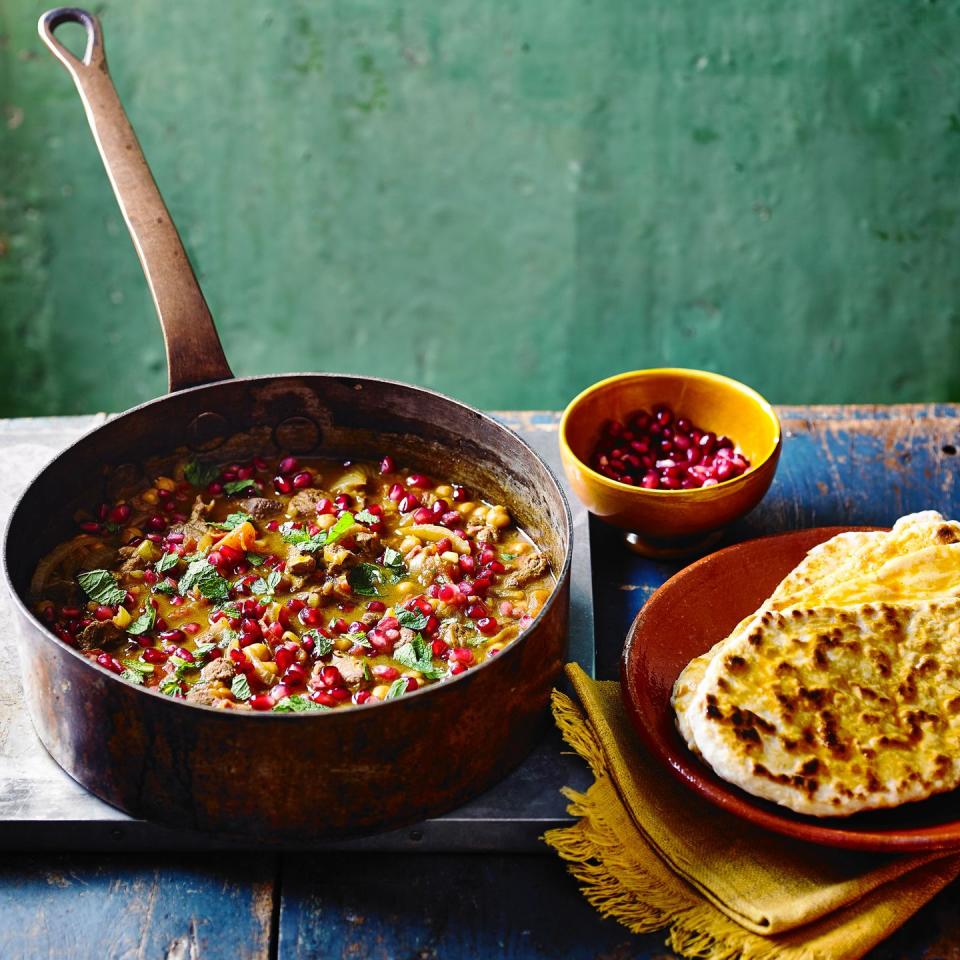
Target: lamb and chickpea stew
[(292, 586)]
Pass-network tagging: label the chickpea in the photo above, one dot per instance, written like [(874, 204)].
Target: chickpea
[(313, 600), (165, 483), (498, 518), (408, 543), (416, 674), (444, 490), (326, 521), (519, 548), (478, 515), (537, 599), (150, 496), (465, 508), (290, 637), (342, 643), (380, 691)]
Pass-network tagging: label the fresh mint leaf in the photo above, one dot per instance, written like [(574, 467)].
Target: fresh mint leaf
[(240, 688), (393, 561), (138, 666), (202, 650), (365, 516), (167, 562), (341, 528), (170, 685), (227, 637), (131, 676), (233, 487), (413, 619), (204, 577), (233, 521), (509, 556), (360, 640), (298, 703), (416, 655), (303, 539), (200, 474), (367, 673), (397, 689), (165, 586), (144, 622), (255, 560), (321, 645), (363, 580), (273, 580), (182, 666), (101, 586)]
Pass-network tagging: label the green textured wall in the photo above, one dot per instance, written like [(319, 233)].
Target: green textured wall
[(504, 201)]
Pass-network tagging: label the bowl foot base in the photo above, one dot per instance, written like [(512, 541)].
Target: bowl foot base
[(675, 548)]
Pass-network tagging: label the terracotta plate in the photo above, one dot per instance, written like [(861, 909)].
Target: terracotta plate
[(683, 619)]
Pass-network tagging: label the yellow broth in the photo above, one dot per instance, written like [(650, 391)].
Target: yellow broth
[(293, 586)]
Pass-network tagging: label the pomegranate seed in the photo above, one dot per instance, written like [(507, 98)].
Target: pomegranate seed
[(487, 626), (385, 672), (157, 523), (476, 611), (323, 698), (111, 663), (104, 613), (450, 518), (261, 701), (462, 654), (191, 628), (439, 648), (361, 696), (458, 668), (459, 494), (447, 593), (311, 616), (340, 694), (412, 684), (386, 465), (120, 513), (259, 463), (410, 502), (376, 606), (71, 613), (342, 501), (295, 675), (495, 566), (422, 515), (396, 493), (302, 480), (287, 465), (273, 526), (466, 563), (444, 544), (282, 485), (184, 654), (432, 624), (153, 655), (172, 636), (284, 655), (418, 480)]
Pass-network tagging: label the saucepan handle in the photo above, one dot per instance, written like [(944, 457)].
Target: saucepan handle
[(194, 352)]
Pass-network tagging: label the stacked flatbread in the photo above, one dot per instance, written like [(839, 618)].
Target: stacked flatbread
[(842, 692)]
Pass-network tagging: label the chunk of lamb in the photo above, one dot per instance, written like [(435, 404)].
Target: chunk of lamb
[(222, 669), (196, 527), (201, 693), (261, 507), (300, 564), (337, 558), (304, 503), (350, 668), (482, 533), (528, 568), (99, 635), (367, 544)]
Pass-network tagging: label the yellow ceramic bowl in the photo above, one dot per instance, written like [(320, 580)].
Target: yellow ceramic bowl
[(665, 519)]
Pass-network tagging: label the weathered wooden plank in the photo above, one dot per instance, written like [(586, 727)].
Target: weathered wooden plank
[(216, 907), (443, 906)]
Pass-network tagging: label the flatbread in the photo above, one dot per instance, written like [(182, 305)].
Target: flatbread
[(845, 571), (832, 711)]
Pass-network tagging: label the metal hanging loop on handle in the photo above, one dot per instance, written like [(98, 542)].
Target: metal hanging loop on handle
[(194, 353)]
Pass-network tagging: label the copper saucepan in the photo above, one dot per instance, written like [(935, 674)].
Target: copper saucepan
[(272, 777)]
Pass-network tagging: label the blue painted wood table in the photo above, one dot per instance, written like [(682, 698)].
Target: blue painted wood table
[(841, 465)]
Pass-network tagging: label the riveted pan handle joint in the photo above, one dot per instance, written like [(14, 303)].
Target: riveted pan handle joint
[(194, 353)]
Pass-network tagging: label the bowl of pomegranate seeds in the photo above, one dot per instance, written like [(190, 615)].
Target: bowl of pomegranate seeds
[(670, 455)]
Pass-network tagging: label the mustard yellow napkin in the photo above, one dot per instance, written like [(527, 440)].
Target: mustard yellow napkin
[(655, 856)]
